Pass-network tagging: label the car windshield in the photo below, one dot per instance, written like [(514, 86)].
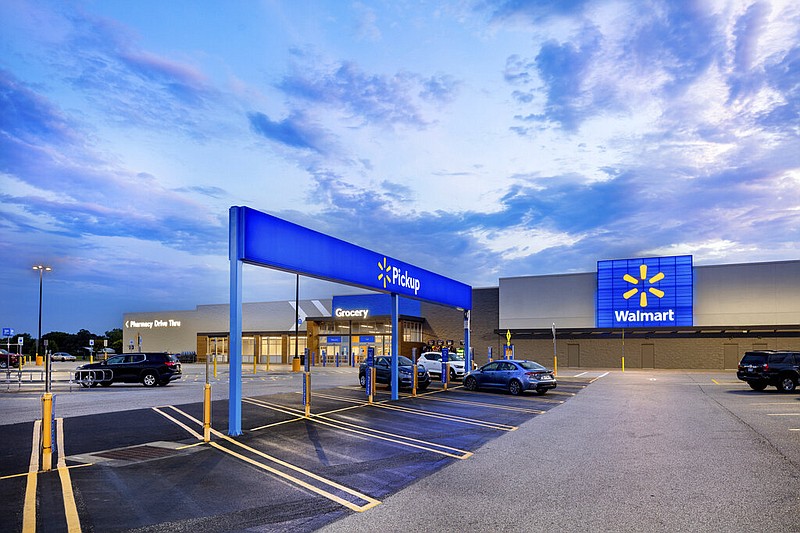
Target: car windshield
[(530, 365), (402, 360), (455, 357)]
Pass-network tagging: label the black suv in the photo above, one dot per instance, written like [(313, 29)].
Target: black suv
[(770, 367), (383, 372), (149, 368)]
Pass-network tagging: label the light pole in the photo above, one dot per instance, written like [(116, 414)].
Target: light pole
[(42, 269)]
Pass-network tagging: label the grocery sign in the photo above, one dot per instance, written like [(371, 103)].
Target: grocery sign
[(645, 292)]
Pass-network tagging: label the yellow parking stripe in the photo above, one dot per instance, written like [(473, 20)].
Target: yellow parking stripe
[(70, 509), (29, 509), (371, 502), (420, 412), (490, 405), (370, 432)]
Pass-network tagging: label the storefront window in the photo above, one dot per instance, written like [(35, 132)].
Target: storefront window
[(412, 331), (301, 345), (271, 347)]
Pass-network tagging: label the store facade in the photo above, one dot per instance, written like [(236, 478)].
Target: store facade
[(720, 312)]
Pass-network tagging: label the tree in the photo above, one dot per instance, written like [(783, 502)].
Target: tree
[(114, 337)]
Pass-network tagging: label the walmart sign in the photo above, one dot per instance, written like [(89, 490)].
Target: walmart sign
[(645, 292), (270, 241)]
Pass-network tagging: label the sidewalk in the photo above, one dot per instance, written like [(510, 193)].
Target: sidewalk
[(631, 452)]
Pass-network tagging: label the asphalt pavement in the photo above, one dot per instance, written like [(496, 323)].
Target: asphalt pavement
[(639, 451), (606, 451)]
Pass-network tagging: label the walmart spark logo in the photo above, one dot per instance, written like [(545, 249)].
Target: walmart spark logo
[(643, 293), (384, 270), (390, 275)]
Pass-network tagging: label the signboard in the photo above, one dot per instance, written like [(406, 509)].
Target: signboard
[(8, 332), (366, 338), (334, 340), (445, 353), (269, 241), (645, 292), (368, 370)]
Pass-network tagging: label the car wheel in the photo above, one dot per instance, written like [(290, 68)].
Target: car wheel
[(88, 380), (471, 383), (149, 379), (541, 392), (452, 375), (515, 387), (787, 384), (362, 380), (3, 364), (757, 385)]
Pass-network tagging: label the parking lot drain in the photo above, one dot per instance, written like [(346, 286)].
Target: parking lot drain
[(137, 453)]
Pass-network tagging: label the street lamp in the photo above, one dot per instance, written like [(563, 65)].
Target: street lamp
[(42, 269)]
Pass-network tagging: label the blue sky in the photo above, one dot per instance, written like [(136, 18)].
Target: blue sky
[(477, 139)]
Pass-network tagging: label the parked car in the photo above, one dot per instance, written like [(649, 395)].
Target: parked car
[(761, 368), (512, 375), (432, 361), (149, 368), (8, 359), (63, 356), (383, 372)]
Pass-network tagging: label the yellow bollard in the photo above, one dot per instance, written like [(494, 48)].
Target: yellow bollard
[(255, 362), (207, 413), (47, 431), (446, 375), (623, 364), (414, 371), (307, 377), (215, 367), (39, 360), (555, 365), (295, 364)]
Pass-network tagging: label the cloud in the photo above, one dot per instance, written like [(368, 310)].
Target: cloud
[(295, 131), (63, 187), (370, 98)]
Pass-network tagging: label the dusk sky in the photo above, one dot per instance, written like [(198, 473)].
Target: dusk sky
[(476, 139)]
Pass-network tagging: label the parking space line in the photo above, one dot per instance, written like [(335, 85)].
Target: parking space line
[(598, 377), (68, 496), (783, 414), (370, 502), (490, 405), (29, 507), (420, 412), (403, 440)]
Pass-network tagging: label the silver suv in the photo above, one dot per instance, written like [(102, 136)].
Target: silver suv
[(432, 361)]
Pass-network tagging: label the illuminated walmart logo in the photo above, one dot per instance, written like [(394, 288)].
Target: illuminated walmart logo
[(641, 292), (384, 270), (389, 275)]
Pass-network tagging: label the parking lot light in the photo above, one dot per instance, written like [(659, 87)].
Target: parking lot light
[(42, 269)]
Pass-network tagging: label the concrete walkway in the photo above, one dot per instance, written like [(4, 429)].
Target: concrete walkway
[(639, 451)]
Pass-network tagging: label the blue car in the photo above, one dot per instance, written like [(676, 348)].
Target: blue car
[(514, 376)]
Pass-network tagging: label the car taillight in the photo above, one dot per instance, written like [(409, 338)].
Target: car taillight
[(766, 366), (170, 363)]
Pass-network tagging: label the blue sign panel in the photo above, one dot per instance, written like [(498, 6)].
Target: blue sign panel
[(645, 292), (8, 332), (265, 240), (366, 338), (445, 354), (334, 340), (363, 306)]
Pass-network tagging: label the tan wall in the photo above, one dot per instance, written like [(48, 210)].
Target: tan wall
[(693, 353)]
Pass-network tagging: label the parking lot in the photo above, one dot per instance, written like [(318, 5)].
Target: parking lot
[(604, 451)]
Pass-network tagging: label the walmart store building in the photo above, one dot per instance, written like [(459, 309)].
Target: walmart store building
[(661, 312)]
